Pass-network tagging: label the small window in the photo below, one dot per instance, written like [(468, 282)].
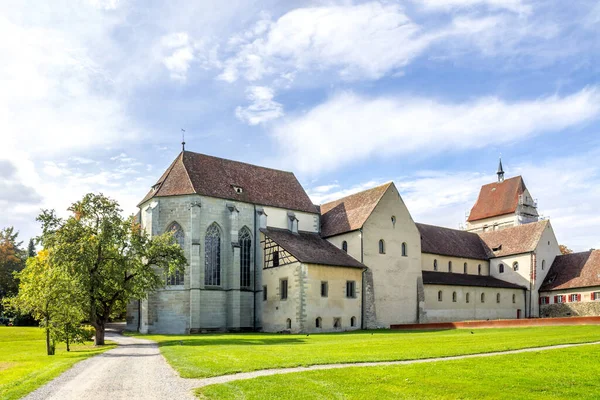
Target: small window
[(283, 294), (497, 297), (393, 221), (351, 289), (483, 297), (468, 297), (595, 296), (324, 289), (318, 322), (337, 323), (353, 321), (479, 269), (514, 298), (449, 266), (515, 266), (265, 293), (276, 258), (435, 267), (559, 299), (501, 268), (404, 250), (545, 300), (543, 265), (288, 323), (574, 298), (465, 268), (440, 295), (345, 246), (454, 297), (381, 246), (175, 279)]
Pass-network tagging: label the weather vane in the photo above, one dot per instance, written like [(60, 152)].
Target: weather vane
[(183, 139)]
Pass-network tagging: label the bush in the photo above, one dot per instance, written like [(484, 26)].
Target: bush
[(24, 320), (87, 332)]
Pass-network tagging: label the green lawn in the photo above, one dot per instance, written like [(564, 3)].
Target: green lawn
[(552, 374), (198, 356), (24, 365)]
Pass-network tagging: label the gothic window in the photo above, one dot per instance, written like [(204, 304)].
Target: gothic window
[(212, 256), (404, 250), (435, 267), (176, 278), (345, 246), (381, 246), (245, 257)]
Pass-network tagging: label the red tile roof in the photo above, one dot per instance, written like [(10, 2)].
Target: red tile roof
[(498, 198), (350, 213), (514, 240), (576, 270), (452, 242), (216, 177), (311, 248)]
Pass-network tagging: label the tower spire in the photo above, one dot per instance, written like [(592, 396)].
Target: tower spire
[(500, 172), (182, 139)]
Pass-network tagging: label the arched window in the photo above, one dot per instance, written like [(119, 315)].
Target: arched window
[(483, 297), (245, 240), (479, 269), (353, 321), (381, 246), (176, 278), (318, 322), (345, 246), (212, 256), (497, 297), (468, 297), (454, 297), (449, 266), (465, 268), (404, 250), (515, 266), (435, 267), (393, 221), (440, 295), (514, 298), (501, 268), (543, 264), (288, 323)]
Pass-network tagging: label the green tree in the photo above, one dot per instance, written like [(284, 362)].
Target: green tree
[(31, 249), (112, 260), (50, 294), (12, 259)]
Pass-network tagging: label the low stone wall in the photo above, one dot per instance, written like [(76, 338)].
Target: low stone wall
[(503, 323), (570, 310)]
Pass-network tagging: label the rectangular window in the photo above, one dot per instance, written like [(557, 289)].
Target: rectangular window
[(324, 289), (351, 289), (175, 278), (276, 259), (545, 300), (574, 298), (283, 289), (559, 299), (595, 295), (265, 293)]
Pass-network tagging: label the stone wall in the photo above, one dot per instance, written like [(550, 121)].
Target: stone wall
[(582, 309)]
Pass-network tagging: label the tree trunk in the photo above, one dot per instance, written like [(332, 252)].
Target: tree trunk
[(48, 347), (99, 336), (67, 337)]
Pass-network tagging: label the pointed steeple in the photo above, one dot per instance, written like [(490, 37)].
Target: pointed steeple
[(500, 172)]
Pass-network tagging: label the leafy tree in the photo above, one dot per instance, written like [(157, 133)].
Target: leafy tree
[(564, 249), (51, 294), (12, 259), (31, 249), (109, 256)]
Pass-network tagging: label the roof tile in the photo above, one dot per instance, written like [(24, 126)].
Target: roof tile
[(514, 240), (498, 198), (575, 270)]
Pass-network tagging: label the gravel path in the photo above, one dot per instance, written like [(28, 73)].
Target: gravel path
[(137, 370)]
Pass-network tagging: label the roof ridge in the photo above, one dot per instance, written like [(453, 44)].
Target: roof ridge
[(187, 173), (240, 162)]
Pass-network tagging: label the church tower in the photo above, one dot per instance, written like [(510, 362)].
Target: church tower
[(502, 204)]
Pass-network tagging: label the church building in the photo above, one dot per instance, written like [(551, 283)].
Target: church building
[(262, 257)]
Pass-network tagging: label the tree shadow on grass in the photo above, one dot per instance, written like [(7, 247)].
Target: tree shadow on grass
[(232, 341)]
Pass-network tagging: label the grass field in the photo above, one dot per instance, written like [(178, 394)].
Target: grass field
[(199, 356), (552, 374), (24, 365)]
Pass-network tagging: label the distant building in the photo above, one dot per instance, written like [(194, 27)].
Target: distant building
[(262, 257)]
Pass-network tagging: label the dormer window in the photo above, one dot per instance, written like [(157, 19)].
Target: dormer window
[(156, 186), (498, 248), (238, 189)]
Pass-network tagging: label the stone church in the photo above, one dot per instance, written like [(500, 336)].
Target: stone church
[(262, 257)]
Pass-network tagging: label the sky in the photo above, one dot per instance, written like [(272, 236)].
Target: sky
[(347, 95)]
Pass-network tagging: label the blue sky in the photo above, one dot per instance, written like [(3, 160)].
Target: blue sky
[(346, 94)]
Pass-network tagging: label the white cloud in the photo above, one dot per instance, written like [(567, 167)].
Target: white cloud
[(181, 54), (517, 6), (263, 107), (325, 193), (366, 127)]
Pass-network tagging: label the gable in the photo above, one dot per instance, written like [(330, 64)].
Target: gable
[(498, 198)]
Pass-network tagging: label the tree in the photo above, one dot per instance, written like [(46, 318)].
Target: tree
[(12, 259), (564, 249), (50, 294), (31, 249), (111, 258)]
